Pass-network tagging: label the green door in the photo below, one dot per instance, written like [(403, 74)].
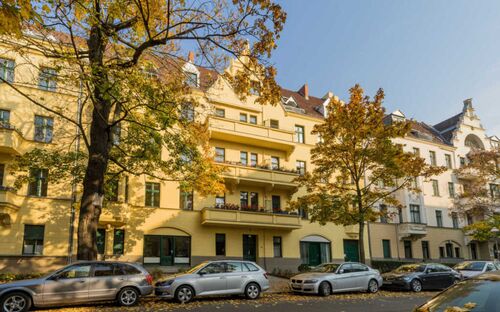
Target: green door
[(351, 250), (167, 250), (314, 254), (250, 247)]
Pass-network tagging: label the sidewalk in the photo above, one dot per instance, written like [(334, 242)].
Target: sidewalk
[(278, 285)]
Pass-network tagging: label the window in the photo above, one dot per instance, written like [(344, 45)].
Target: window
[(454, 219), (33, 239), (112, 189), (462, 162), (400, 215), (253, 119), (38, 182), (416, 151), (441, 252), (303, 213), (47, 79), (470, 220), (104, 269), (494, 191), (425, 250), (187, 112), (457, 252), (214, 268), (386, 246), (220, 201), (219, 112), (276, 203), (192, 79), (220, 244), (101, 241), (447, 158), (75, 271), (152, 194), (243, 158), (243, 117), (275, 163), (299, 134), (451, 189), (277, 247), (254, 201), (253, 159), (186, 200), (234, 267), (275, 124), (220, 154), (125, 195), (118, 241), (255, 88), (2, 172), (301, 167), (243, 199), (4, 119), (435, 187), (383, 213), (7, 70), (449, 250), (408, 251), (439, 218), (414, 183), (415, 214), (432, 157), (43, 129)]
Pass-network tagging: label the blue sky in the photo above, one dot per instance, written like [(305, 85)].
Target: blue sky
[(428, 55)]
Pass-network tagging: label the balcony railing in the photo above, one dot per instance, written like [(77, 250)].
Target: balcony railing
[(257, 135), (250, 218), (409, 230)]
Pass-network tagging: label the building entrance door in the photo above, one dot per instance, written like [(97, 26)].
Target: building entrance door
[(250, 247), (351, 250)]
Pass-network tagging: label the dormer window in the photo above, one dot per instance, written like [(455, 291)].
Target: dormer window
[(192, 79)]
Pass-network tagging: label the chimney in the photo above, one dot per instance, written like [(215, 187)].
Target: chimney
[(467, 104), (328, 95), (304, 91), (191, 57)]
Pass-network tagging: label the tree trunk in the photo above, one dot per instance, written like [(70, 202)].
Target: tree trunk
[(361, 241), (99, 147)]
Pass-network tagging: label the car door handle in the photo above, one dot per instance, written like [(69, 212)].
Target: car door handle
[(244, 276), (82, 281), (222, 277)]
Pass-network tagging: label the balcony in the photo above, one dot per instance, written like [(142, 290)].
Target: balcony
[(411, 230), (466, 174), (9, 205), (10, 140), (259, 176), (238, 132), (253, 219)]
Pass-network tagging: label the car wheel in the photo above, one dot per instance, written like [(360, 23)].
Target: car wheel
[(184, 294), (372, 286), (252, 291), (416, 285), (128, 296), (324, 289), (16, 302)]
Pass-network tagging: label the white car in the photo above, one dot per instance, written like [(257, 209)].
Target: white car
[(472, 268), (330, 278)]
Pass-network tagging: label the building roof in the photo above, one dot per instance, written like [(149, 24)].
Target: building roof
[(309, 106), (447, 126), (421, 130)]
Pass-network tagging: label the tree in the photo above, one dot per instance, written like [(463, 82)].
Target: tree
[(358, 164), (125, 57)]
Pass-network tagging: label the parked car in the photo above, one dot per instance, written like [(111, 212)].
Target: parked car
[(215, 278), (472, 268), (418, 277), (77, 283), (477, 294), (331, 278)]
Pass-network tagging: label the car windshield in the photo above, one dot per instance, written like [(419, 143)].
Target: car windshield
[(196, 268), (408, 268), (476, 295), (470, 266), (325, 268)]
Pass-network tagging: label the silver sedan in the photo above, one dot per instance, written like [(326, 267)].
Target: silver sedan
[(212, 278), (82, 282), (331, 278)]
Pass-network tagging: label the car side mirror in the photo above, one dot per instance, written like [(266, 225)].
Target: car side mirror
[(201, 273), (54, 277)]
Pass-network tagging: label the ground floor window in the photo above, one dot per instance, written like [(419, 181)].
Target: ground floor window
[(425, 250), (118, 241), (277, 246), (473, 251), (33, 239), (315, 253), (220, 244), (167, 250), (386, 246), (101, 241), (408, 251)]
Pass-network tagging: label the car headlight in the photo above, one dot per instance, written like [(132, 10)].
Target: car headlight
[(310, 281), (407, 278)]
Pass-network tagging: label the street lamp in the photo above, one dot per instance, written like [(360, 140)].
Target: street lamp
[(495, 231)]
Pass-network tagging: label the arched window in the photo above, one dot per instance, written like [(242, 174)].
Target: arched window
[(473, 142)]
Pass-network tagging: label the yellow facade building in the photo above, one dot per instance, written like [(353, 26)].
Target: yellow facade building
[(263, 147)]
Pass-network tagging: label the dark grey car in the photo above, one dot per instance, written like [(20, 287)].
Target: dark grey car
[(82, 282)]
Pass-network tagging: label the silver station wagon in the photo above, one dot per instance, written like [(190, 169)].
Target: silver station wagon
[(82, 282), (330, 278), (212, 278)]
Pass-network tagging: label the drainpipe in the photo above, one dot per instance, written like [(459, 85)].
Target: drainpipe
[(368, 228), (74, 182)]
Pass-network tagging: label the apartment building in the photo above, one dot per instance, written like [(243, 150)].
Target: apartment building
[(425, 228), (263, 147)]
